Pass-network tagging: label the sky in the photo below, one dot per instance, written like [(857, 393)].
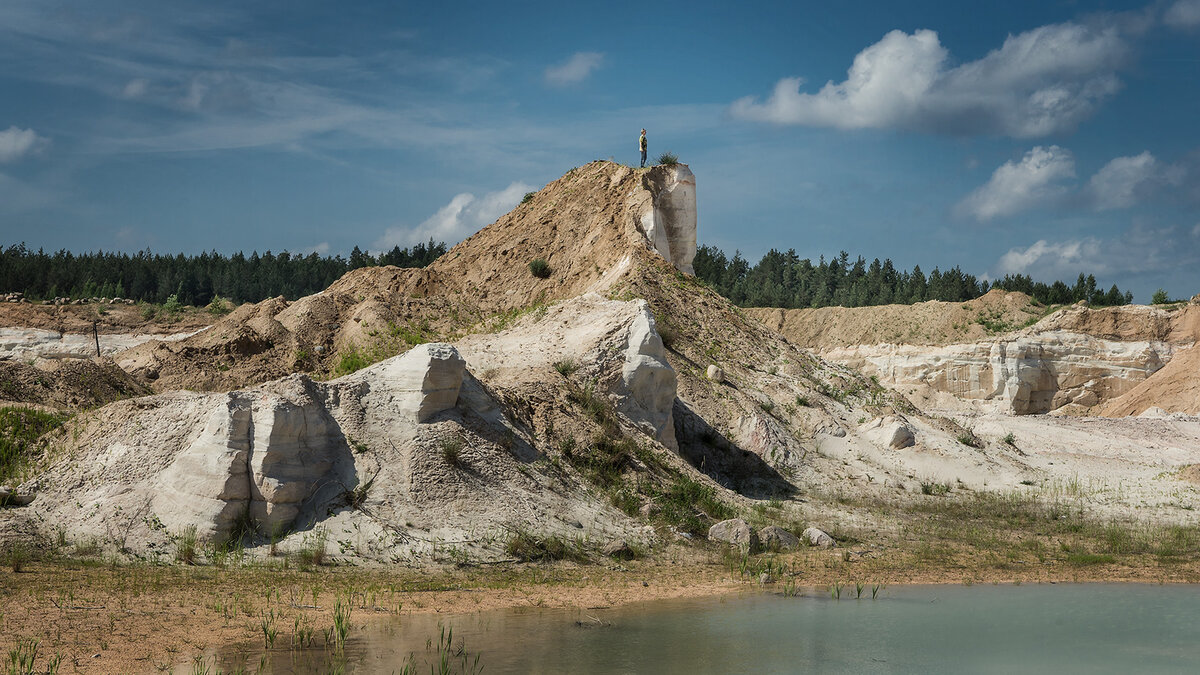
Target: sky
[(1045, 138)]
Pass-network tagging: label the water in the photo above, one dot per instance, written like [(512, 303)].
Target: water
[(913, 629)]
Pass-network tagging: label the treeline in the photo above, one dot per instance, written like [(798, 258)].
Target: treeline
[(193, 279), (785, 280)]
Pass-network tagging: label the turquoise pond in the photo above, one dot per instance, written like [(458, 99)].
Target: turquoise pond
[(1032, 628)]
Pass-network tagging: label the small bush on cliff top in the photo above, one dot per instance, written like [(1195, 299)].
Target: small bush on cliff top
[(539, 268), (1159, 298), (668, 158)]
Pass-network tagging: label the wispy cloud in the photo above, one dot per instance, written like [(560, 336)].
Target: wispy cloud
[(1141, 251), (15, 143), (575, 70), (1037, 180), (1039, 82), (452, 223), (1124, 181), (1183, 14)]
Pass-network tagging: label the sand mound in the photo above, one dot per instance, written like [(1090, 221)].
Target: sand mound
[(586, 226), (923, 323), (67, 383), (1175, 388)]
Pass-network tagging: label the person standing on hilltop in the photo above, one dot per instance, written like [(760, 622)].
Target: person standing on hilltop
[(642, 147)]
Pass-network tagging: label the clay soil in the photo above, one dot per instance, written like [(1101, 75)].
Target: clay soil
[(110, 619)]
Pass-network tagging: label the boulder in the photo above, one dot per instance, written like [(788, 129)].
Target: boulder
[(890, 431), (816, 537), (734, 531), (715, 374), (775, 538), (619, 549)]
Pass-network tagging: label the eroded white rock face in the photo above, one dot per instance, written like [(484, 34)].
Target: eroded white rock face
[(648, 380), (670, 224), (428, 378), (1023, 375), (260, 454)]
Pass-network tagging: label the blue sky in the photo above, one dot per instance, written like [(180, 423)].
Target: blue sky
[(1045, 138)]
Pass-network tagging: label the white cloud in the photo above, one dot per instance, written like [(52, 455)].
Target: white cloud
[(1120, 183), (463, 216), (1183, 14), (1039, 82), (16, 143), (1142, 251), (135, 88), (575, 70), (1037, 180)]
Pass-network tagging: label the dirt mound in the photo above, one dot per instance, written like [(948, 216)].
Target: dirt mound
[(1128, 323), (68, 383), (1174, 388), (924, 323), (585, 225), (116, 318)]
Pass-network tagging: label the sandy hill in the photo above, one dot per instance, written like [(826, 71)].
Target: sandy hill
[(597, 399), (586, 226)]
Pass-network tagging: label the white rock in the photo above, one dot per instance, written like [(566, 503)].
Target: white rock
[(816, 537), (426, 379), (889, 431), (776, 538), (670, 224), (648, 379), (734, 531), (715, 374)]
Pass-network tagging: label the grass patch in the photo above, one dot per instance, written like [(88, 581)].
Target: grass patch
[(691, 506), (668, 158), (566, 367), (527, 547), (20, 430)]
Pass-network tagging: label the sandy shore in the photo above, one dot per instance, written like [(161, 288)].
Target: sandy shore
[(106, 619)]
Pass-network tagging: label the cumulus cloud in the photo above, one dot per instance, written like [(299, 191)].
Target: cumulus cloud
[(575, 70), (1121, 182), (1037, 180), (1043, 81), (16, 143), (457, 220), (1183, 14)]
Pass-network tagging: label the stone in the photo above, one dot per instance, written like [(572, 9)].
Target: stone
[(829, 428), (774, 538), (426, 379), (765, 579), (648, 380), (715, 374), (9, 497), (649, 510), (619, 549), (817, 537), (734, 531), (890, 431), (261, 456), (670, 222)]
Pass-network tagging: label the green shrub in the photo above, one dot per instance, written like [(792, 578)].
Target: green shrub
[(668, 158), (566, 367), (172, 306), (1159, 297), (539, 268), (219, 306), (690, 505), (452, 450), (527, 198)]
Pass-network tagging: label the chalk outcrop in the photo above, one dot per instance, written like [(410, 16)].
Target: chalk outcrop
[(890, 432), (648, 380), (1023, 375), (670, 221), (426, 380)]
